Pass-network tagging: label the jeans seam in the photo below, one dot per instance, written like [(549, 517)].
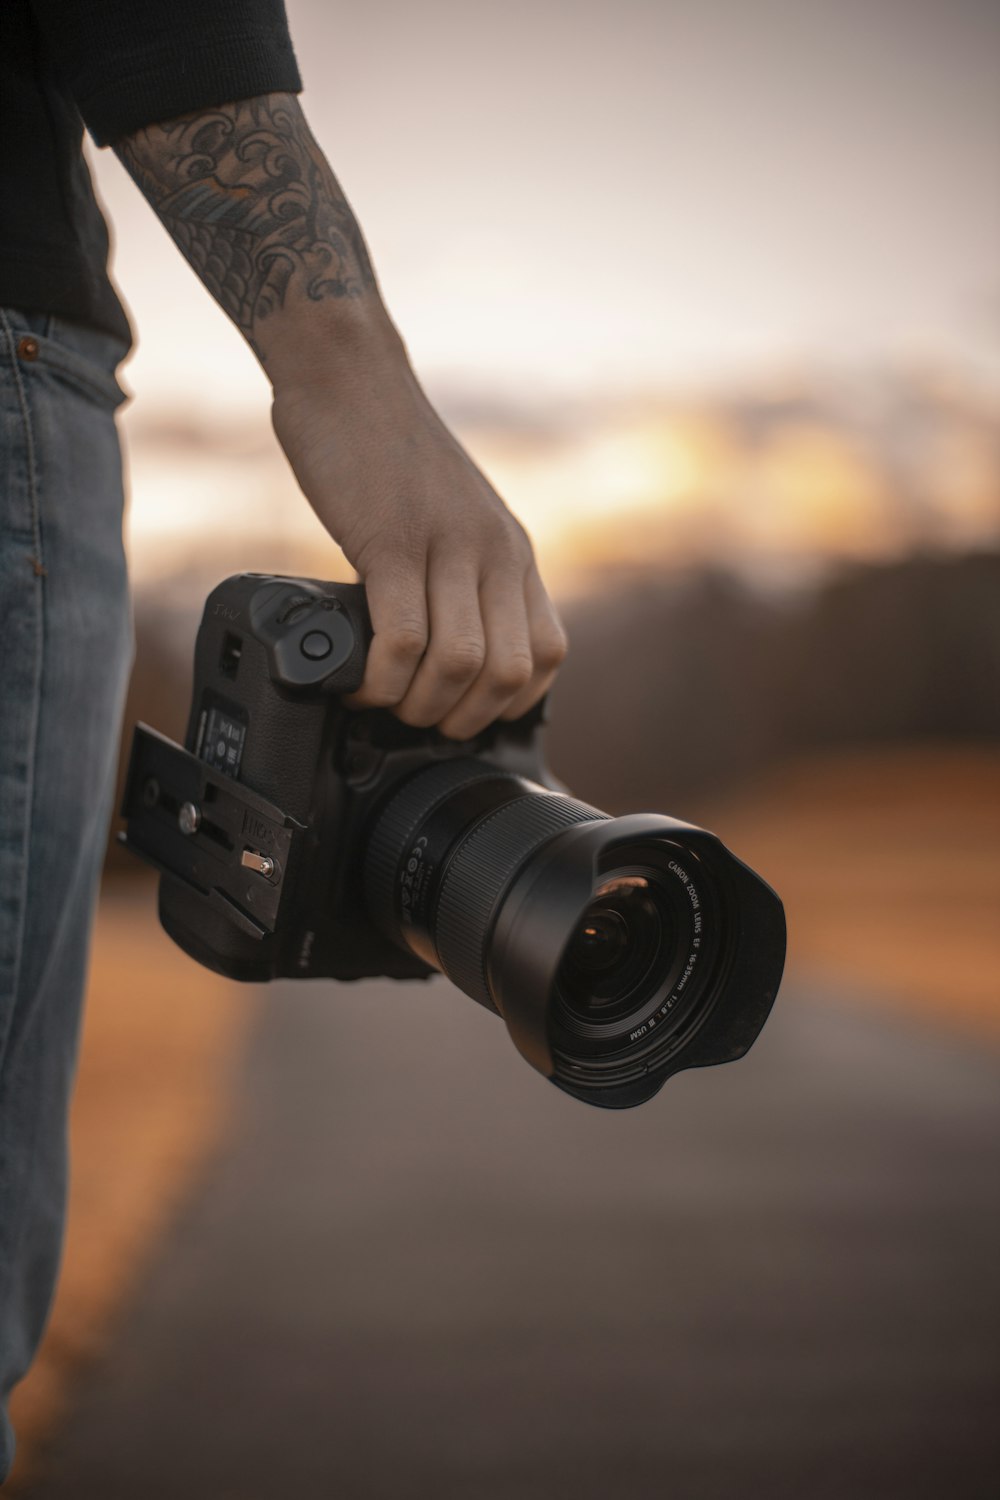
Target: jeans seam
[(31, 747), (29, 445)]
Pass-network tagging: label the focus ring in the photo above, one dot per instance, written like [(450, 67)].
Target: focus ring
[(409, 808), (484, 864)]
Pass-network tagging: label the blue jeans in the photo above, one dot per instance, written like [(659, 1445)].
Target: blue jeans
[(65, 652)]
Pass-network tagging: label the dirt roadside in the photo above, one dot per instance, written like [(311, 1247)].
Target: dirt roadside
[(888, 863), (160, 1041)]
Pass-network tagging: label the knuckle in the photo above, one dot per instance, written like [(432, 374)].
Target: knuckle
[(407, 639), (381, 561), (552, 652), (513, 673), (513, 552), (461, 659), (517, 536)]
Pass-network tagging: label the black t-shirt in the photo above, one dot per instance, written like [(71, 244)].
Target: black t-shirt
[(112, 66)]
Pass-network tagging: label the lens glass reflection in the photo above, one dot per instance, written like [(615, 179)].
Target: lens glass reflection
[(618, 952)]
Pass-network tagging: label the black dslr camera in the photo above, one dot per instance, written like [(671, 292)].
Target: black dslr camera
[(296, 837)]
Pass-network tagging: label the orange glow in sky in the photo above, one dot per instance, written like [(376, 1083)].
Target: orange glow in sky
[(778, 486)]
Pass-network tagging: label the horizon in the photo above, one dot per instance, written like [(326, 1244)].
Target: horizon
[(776, 481)]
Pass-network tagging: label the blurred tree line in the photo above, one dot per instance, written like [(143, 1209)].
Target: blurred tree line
[(683, 685), (688, 686)]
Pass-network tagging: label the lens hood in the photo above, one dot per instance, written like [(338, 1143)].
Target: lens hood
[(717, 1004)]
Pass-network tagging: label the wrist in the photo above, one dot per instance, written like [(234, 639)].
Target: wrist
[(308, 344)]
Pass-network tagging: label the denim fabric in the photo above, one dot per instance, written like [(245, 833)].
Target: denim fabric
[(65, 652)]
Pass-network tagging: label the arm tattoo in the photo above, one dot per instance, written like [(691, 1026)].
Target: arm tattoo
[(252, 203)]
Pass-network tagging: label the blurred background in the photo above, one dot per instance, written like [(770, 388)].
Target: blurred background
[(712, 294)]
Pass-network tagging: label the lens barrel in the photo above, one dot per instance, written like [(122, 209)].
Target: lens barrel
[(617, 950), (444, 849)]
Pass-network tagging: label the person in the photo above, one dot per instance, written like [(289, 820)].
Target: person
[(199, 99)]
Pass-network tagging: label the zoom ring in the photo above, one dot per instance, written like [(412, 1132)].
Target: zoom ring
[(481, 869), (409, 808)]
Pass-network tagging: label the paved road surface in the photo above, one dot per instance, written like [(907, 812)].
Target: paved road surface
[(422, 1272)]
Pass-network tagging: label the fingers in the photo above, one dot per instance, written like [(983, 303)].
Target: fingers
[(507, 665), (397, 602), (455, 651), (548, 647), (525, 645)]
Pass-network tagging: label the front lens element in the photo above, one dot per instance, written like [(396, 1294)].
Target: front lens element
[(619, 959), (600, 941), (618, 954)]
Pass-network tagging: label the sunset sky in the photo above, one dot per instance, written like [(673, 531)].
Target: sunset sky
[(594, 201)]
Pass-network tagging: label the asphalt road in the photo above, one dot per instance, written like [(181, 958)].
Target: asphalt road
[(418, 1270)]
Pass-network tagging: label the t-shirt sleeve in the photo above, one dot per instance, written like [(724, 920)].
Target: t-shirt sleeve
[(130, 63)]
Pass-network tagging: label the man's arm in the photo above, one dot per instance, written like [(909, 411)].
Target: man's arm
[(251, 201), (464, 629)]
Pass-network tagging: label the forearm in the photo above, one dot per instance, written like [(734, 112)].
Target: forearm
[(252, 203), (464, 631)]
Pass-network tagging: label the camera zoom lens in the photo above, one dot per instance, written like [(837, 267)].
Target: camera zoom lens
[(602, 942)]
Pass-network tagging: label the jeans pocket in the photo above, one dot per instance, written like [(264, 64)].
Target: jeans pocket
[(82, 357)]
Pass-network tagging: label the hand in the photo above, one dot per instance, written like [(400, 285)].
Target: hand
[(464, 631)]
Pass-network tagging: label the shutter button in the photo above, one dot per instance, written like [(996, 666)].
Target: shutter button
[(316, 645)]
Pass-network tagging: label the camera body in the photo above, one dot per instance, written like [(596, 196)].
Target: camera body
[(266, 715), (298, 837)]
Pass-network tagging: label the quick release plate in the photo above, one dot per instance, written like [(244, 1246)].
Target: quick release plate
[(198, 826)]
